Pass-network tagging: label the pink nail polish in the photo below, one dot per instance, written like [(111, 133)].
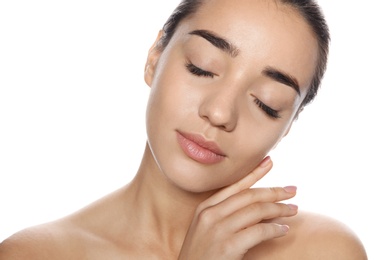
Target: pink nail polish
[(265, 161), (285, 228), (292, 206), (290, 189)]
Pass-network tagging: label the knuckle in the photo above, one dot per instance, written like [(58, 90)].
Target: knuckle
[(228, 247), (284, 208), (289, 209), (270, 210), (273, 189), (201, 207), (263, 231), (269, 230), (276, 193), (207, 217), (249, 194), (256, 207)]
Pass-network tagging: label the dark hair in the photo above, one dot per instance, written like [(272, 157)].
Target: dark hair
[(308, 9)]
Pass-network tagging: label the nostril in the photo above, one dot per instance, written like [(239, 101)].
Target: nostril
[(224, 121), (219, 111)]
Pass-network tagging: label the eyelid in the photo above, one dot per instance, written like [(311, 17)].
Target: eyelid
[(267, 109), (198, 71)]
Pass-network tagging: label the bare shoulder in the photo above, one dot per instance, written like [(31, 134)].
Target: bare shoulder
[(328, 238), (312, 236), (39, 242), (62, 239), (85, 234)]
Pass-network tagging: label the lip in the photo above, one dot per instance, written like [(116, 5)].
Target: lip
[(199, 149)]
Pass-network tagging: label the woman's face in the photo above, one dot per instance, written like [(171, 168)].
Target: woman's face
[(226, 90)]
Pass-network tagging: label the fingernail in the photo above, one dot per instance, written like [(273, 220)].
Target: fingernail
[(285, 228), (290, 189), (265, 162), (292, 206)]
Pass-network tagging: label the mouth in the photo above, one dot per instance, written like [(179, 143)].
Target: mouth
[(199, 149)]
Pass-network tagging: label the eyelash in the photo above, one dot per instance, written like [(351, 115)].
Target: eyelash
[(269, 111), (198, 71), (202, 73)]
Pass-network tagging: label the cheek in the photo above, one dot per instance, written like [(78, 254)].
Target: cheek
[(172, 98), (254, 144), (170, 103)]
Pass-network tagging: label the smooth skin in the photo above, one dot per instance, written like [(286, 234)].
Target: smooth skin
[(179, 208)]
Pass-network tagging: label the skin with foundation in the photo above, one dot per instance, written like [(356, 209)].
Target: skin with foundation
[(223, 93)]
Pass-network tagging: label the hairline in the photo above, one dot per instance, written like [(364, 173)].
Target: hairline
[(322, 40)]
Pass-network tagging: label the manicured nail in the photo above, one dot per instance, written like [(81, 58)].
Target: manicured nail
[(265, 162), (285, 228), (292, 206), (290, 189)]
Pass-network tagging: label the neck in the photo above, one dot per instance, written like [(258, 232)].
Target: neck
[(162, 208)]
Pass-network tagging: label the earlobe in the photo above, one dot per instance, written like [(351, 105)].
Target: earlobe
[(151, 62)]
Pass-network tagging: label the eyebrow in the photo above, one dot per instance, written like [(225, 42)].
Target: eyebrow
[(217, 41), (283, 78), (233, 51)]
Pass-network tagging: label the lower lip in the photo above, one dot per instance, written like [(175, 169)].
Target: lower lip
[(197, 152)]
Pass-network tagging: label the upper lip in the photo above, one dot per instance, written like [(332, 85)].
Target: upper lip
[(201, 141)]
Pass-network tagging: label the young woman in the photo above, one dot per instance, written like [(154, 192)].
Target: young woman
[(228, 78)]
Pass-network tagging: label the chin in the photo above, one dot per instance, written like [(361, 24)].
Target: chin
[(193, 177)]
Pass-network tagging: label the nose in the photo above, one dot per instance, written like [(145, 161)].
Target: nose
[(220, 110)]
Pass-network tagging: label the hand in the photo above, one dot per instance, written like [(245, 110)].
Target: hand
[(229, 223)]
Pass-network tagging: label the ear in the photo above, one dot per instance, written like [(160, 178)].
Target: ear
[(152, 60)]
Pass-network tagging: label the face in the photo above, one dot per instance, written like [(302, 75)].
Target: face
[(226, 90)]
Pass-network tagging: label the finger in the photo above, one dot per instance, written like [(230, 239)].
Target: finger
[(255, 213), (254, 235), (245, 183), (248, 198), (253, 196)]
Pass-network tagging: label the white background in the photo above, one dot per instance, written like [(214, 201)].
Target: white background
[(72, 101)]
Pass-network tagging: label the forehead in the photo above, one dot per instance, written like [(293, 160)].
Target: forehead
[(265, 31)]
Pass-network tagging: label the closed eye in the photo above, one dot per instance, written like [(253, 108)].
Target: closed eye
[(198, 71), (269, 111)]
